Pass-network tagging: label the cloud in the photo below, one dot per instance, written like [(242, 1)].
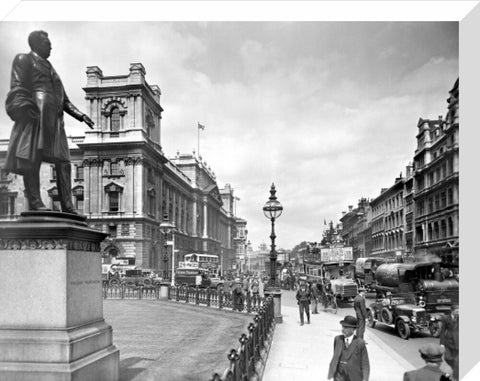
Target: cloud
[(327, 111)]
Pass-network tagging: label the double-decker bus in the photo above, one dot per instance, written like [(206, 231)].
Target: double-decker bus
[(203, 261)]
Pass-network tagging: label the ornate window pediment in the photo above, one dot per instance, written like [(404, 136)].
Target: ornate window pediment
[(77, 191), (53, 193), (113, 187)]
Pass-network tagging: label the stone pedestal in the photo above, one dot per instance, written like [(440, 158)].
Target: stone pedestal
[(277, 303), (51, 319)]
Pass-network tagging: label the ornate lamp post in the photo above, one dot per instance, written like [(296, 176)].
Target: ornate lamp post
[(168, 230), (272, 210), (165, 261)]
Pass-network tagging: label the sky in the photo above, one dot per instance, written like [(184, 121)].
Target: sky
[(327, 111)]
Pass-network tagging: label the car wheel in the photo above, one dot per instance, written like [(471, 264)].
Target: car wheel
[(403, 329), (219, 287), (387, 316), (113, 282), (147, 282), (435, 327), (370, 320)]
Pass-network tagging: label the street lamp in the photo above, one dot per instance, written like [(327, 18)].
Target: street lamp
[(168, 230), (272, 210), (165, 261)]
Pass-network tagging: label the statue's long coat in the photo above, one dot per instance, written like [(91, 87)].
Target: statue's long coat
[(36, 85)]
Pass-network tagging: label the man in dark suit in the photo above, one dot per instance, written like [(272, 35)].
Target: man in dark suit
[(449, 339), (304, 297), (350, 357), (432, 354), (36, 103), (360, 311)]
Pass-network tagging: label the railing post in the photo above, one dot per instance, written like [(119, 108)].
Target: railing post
[(244, 357), (208, 297), (220, 299), (252, 329), (197, 291), (249, 303), (233, 357)]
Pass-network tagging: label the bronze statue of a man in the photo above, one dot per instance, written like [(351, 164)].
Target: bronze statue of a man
[(36, 102)]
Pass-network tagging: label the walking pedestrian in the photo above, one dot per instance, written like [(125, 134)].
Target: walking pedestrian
[(449, 339), (238, 297), (350, 357), (304, 297), (360, 311), (315, 297), (432, 354)]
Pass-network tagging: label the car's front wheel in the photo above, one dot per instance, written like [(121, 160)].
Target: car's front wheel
[(403, 329)]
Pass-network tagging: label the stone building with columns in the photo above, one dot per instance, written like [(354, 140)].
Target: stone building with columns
[(124, 184)]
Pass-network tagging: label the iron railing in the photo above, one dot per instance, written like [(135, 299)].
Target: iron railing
[(208, 297), (247, 363)]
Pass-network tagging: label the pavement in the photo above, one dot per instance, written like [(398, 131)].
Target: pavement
[(304, 352)]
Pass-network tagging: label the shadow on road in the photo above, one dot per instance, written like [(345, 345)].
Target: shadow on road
[(128, 371)]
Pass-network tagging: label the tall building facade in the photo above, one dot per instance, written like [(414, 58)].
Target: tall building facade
[(356, 230), (417, 218), (388, 222), (123, 183), (436, 176)]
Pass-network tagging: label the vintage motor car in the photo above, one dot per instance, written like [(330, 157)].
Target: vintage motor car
[(400, 312)]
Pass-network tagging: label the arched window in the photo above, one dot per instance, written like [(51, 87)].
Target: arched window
[(109, 254), (115, 120)]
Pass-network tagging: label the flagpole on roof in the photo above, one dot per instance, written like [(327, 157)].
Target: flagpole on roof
[(199, 127)]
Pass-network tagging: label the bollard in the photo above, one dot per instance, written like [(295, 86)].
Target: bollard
[(164, 288)]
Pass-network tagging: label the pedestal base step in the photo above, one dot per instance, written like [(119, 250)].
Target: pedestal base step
[(99, 366)]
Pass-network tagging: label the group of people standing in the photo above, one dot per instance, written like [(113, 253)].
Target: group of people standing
[(247, 285)]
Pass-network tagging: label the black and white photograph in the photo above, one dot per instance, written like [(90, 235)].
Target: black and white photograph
[(265, 191)]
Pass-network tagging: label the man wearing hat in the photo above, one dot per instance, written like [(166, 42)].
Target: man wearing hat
[(360, 311), (350, 357), (304, 297), (432, 354)]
